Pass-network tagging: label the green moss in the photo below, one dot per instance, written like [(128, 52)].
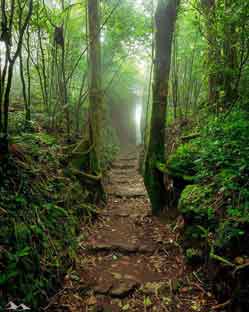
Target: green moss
[(153, 179), (80, 156)]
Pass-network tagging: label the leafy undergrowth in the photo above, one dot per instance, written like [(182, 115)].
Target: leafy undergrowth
[(215, 205), (40, 214)]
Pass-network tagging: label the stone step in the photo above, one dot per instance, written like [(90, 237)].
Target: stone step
[(124, 166), (120, 276)]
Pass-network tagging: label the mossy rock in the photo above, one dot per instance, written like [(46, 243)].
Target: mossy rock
[(195, 203)]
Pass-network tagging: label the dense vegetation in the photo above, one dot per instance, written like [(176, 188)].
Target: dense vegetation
[(72, 76)]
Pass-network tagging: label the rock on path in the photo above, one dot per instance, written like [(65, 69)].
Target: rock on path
[(130, 261)]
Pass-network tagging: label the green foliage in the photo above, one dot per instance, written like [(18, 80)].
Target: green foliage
[(196, 202), (217, 205), (18, 124), (188, 63), (192, 253), (40, 213), (182, 161)]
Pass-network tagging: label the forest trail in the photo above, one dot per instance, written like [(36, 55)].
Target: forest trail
[(129, 260)]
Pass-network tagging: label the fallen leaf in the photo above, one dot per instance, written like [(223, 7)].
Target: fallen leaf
[(126, 307), (184, 289), (91, 301)]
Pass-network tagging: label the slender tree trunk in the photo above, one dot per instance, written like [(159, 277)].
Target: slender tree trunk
[(24, 88), (64, 82), (165, 23), (28, 107), (6, 100), (11, 59), (213, 53), (175, 77), (0, 94), (44, 74), (147, 106), (95, 95), (81, 99), (231, 67), (65, 92), (2, 88)]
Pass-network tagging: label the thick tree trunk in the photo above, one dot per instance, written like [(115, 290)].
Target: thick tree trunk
[(165, 23), (95, 96)]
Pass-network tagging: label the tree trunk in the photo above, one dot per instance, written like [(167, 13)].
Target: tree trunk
[(6, 100), (44, 73), (26, 84), (95, 96), (231, 66), (28, 107), (213, 53), (11, 57), (174, 77), (165, 19), (24, 88), (2, 88), (64, 82)]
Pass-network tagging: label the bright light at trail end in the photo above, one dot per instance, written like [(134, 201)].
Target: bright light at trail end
[(138, 116)]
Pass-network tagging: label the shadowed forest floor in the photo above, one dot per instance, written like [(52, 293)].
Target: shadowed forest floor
[(128, 260)]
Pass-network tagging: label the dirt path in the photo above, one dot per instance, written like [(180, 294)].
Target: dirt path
[(129, 260)]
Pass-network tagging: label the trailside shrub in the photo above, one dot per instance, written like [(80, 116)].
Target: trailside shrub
[(218, 160), (216, 206), (196, 204), (183, 160)]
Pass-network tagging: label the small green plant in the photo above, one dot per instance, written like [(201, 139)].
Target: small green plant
[(147, 303)]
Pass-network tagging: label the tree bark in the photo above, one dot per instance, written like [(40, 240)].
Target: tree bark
[(214, 80), (64, 82), (165, 19), (24, 88), (5, 91), (231, 70), (95, 96), (28, 107), (174, 77)]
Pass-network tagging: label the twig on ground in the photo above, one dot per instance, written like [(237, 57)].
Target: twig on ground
[(221, 305)]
